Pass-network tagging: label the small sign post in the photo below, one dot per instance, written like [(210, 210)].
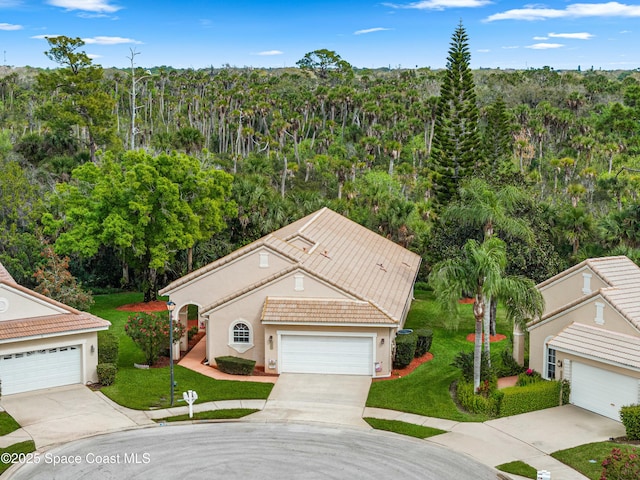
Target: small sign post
[(190, 397)]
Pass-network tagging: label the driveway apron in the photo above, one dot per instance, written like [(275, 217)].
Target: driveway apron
[(296, 397)]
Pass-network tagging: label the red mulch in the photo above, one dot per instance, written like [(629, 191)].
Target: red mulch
[(156, 306), (466, 300), (401, 372), (493, 338)]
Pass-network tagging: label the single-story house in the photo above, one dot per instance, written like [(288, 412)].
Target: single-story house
[(321, 295), (590, 333), (44, 343)]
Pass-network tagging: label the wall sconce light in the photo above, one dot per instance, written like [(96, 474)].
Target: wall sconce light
[(93, 348), (382, 341), (559, 363), (271, 342)]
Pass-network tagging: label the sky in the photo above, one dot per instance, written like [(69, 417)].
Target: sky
[(368, 34)]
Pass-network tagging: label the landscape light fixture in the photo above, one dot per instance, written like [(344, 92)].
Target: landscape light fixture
[(171, 306)]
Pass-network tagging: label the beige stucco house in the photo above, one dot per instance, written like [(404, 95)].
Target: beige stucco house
[(590, 333), (44, 343), (321, 295)]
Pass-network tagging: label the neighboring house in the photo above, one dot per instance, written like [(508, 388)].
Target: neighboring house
[(44, 343), (321, 295), (590, 333)]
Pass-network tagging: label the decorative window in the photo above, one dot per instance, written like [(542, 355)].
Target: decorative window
[(551, 363), (599, 313), (586, 283), (241, 333), (241, 336), (298, 282), (264, 259)]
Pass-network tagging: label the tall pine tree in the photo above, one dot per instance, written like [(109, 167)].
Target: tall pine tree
[(457, 150)]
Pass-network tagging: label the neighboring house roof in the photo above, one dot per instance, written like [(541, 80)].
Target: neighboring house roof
[(599, 343), (313, 311), (623, 291), (68, 319), (50, 325), (341, 252)]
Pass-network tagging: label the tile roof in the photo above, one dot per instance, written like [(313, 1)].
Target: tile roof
[(623, 291), (344, 253), (5, 276), (49, 325), (596, 342), (296, 310)]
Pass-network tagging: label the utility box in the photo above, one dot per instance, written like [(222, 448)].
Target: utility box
[(543, 475)]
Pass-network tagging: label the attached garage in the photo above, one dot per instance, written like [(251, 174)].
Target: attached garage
[(38, 369), (602, 391), (330, 354)]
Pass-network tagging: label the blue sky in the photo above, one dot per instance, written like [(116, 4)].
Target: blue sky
[(367, 34)]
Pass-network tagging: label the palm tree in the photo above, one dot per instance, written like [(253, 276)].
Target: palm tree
[(480, 271)]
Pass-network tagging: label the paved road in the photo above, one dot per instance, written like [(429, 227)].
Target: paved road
[(243, 451)]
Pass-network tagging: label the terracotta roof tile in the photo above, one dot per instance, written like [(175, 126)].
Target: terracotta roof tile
[(52, 324), (296, 310)]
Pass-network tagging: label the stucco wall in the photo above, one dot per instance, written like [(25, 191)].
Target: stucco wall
[(17, 304), (89, 359), (584, 314), (569, 288)]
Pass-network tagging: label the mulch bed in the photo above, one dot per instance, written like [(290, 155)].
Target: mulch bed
[(402, 372), (155, 306), (493, 338)]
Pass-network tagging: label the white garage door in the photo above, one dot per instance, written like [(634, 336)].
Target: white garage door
[(52, 367), (326, 354), (602, 391)]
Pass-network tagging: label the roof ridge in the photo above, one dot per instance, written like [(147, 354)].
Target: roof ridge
[(312, 219)]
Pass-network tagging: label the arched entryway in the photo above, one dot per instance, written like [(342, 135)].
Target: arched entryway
[(193, 325)]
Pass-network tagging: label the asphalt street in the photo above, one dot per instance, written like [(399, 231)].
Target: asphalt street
[(244, 451)]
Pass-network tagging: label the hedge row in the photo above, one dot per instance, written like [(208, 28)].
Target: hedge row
[(630, 417), (235, 365), (106, 373), (107, 347), (412, 345)]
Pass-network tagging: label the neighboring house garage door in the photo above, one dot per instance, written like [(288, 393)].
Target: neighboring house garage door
[(36, 369), (326, 354), (602, 391)]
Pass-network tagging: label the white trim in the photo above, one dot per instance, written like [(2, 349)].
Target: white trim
[(586, 283), (264, 259), (545, 353), (243, 346), (597, 359), (599, 319), (332, 324), (298, 282)]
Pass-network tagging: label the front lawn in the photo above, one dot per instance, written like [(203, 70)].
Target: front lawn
[(426, 390), (16, 448), (7, 424), (403, 428), (587, 459), (223, 414), (145, 389)]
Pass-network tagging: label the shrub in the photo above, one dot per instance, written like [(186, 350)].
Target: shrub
[(565, 391), (630, 417), (235, 365), (528, 377), (425, 338), (487, 403), (464, 361), (621, 465), (508, 365), (106, 373), (151, 333), (192, 332), (405, 349), (535, 396), (108, 347)]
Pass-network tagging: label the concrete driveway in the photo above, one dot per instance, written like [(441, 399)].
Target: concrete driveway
[(296, 397), (60, 415)]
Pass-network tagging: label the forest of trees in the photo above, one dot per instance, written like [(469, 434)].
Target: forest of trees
[(140, 176)]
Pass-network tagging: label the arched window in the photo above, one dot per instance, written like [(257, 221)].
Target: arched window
[(241, 333), (240, 336)]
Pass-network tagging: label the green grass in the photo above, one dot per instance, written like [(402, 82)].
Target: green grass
[(403, 428), (224, 414), (519, 468), (22, 447), (587, 459), (145, 389), (7, 424), (426, 390)]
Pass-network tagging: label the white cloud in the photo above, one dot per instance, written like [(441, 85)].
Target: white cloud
[(268, 53), (575, 10), (10, 3), (510, 47), (483, 50), (440, 4), (370, 30), (45, 36), (544, 46), (541, 38), (574, 36), (100, 6), (10, 27), (101, 40)]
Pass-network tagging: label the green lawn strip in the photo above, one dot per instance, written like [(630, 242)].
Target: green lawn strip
[(587, 459), (7, 424), (22, 447), (519, 468), (426, 390), (147, 389), (224, 414), (403, 428)]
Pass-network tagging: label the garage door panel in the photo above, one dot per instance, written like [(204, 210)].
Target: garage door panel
[(326, 354), (37, 369), (602, 391)]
